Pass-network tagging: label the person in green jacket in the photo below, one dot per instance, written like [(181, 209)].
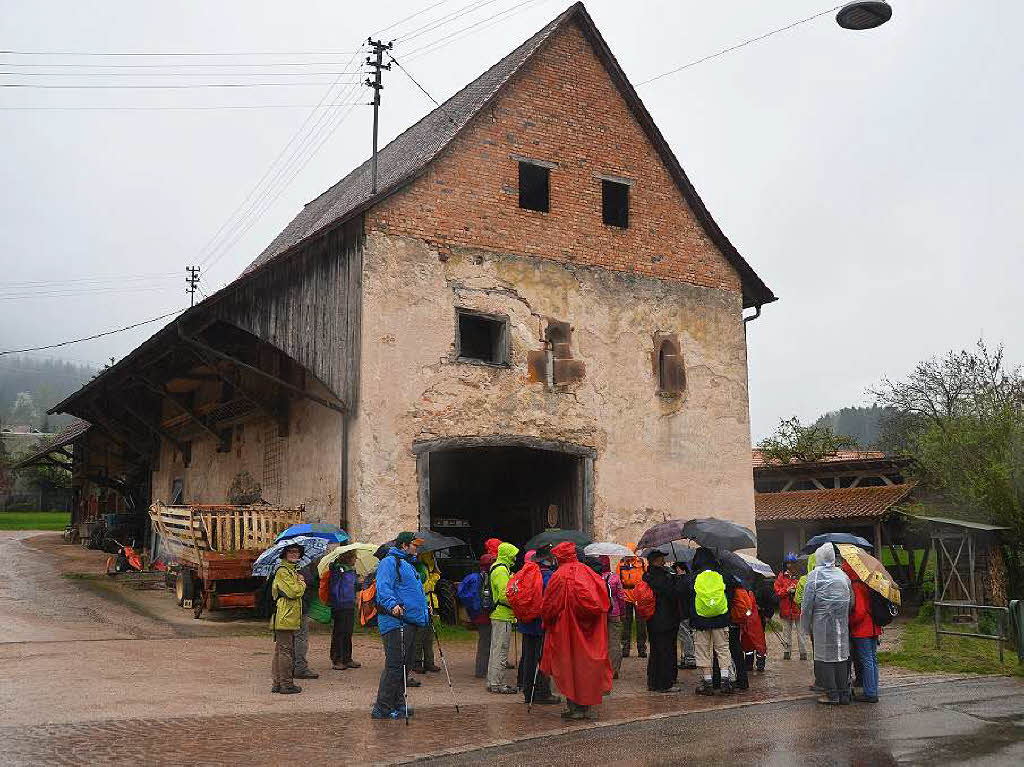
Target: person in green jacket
[(286, 590), (799, 596), (502, 620)]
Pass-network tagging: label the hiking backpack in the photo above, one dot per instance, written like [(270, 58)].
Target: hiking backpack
[(487, 600), (643, 598), (709, 595), (469, 593), (882, 610), (525, 592)]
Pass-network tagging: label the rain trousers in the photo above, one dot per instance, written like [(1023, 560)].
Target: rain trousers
[(575, 616), (825, 610)]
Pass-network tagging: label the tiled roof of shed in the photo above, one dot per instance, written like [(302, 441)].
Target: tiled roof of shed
[(828, 504), (64, 437)]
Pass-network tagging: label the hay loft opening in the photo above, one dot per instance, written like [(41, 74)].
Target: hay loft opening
[(481, 338)]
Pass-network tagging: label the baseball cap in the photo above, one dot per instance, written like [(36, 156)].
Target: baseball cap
[(405, 538)]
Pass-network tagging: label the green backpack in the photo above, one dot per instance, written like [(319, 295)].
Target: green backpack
[(709, 595)]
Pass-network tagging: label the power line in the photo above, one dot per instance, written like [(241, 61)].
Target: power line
[(175, 86), (109, 278), (444, 20), (736, 47), (410, 16), (153, 54), (205, 64), (414, 82), (445, 40), (221, 107), (95, 335)]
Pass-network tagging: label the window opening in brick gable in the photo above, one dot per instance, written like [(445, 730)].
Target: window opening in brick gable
[(534, 186), (615, 203), (481, 338), (669, 368)]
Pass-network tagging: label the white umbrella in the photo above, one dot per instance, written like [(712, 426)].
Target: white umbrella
[(606, 549), (366, 563), (759, 567)]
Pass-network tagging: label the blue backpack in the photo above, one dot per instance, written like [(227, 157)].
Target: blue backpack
[(469, 594), (342, 588)]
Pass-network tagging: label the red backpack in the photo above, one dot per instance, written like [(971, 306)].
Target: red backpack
[(643, 598), (525, 592)]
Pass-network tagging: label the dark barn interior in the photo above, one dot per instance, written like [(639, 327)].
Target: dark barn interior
[(503, 492)]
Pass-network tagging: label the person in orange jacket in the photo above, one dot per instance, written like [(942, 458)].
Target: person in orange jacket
[(864, 634), (630, 571), (789, 610)]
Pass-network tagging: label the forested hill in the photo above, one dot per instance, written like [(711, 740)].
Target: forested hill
[(29, 386), (861, 424)]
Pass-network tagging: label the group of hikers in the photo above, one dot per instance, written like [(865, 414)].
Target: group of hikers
[(578, 616)]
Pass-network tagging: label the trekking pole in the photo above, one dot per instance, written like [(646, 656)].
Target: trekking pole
[(536, 670), (440, 652), (782, 641), (405, 678)]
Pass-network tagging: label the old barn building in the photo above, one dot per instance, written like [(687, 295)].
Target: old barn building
[(534, 310)]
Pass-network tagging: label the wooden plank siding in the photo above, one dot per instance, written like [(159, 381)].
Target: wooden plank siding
[(308, 307)]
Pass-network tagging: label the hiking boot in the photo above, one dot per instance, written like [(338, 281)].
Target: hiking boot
[(742, 686), (816, 688), (787, 655), (865, 699), (307, 674), (502, 689), (705, 688), (418, 670), (759, 665), (431, 669), (352, 664), (275, 688), (727, 687), (379, 713), (641, 653), (339, 666), (803, 656), (412, 681), (573, 715), (625, 652), (401, 709), (688, 665), (828, 701), (290, 689), (550, 700)]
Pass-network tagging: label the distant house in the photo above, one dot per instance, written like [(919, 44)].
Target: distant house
[(855, 492), (534, 309)]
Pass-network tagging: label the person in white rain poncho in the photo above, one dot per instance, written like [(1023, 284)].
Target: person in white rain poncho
[(826, 616)]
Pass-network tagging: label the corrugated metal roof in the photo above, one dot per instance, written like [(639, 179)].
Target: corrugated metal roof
[(970, 524), (837, 503)]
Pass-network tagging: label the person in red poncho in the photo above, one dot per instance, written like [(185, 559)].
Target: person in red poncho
[(574, 613)]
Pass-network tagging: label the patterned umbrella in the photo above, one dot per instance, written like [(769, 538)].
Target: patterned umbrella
[(330, 533), (871, 571), (267, 562)]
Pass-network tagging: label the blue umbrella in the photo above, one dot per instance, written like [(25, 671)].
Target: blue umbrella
[(267, 562), (330, 533), (817, 540)]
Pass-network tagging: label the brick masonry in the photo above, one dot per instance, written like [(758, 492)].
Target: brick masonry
[(562, 108)]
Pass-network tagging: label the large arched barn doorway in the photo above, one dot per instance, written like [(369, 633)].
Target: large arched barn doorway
[(504, 487)]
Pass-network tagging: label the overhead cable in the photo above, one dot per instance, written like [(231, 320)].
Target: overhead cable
[(95, 335)]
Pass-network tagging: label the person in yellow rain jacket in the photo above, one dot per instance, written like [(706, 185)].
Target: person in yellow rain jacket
[(423, 652), (286, 590)]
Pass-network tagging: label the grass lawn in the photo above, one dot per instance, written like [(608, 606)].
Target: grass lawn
[(975, 656), (34, 520)]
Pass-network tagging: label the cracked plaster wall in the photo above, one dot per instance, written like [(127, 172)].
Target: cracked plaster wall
[(683, 457)]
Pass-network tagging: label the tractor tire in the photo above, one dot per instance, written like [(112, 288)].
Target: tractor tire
[(447, 604), (184, 587)]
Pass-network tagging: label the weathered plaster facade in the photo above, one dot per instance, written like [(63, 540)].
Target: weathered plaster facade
[(302, 468), (655, 456)]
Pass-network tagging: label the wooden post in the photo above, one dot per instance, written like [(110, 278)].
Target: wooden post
[(937, 598)]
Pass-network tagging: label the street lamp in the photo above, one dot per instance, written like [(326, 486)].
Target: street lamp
[(864, 14)]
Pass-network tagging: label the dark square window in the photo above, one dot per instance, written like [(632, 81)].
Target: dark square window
[(533, 187), (482, 338), (615, 203)]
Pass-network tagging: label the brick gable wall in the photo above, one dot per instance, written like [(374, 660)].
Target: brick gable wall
[(563, 108)]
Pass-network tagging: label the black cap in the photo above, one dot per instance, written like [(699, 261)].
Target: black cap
[(654, 553)]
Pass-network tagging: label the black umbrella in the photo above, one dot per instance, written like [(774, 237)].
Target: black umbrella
[(811, 546), (719, 534), (554, 535), (735, 565), (434, 541)]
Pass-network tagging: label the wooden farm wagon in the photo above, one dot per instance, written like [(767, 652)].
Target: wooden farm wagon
[(215, 546)]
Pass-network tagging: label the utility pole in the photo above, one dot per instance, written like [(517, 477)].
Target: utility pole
[(192, 282), (376, 63)]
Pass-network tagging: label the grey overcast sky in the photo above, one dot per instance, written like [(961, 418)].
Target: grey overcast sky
[(873, 179)]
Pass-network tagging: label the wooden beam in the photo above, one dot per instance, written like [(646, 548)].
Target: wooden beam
[(161, 392), (125, 438), (157, 430)]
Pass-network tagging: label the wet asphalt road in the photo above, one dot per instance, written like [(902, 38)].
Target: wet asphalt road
[(977, 722)]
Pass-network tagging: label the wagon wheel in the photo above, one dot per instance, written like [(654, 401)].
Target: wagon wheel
[(184, 587), (447, 606)]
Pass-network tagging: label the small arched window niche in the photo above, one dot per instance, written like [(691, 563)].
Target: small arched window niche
[(669, 370)]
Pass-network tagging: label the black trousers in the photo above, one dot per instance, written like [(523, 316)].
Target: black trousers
[(396, 654), (662, 670), (341, 634), (739, 660), (528, 660)]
